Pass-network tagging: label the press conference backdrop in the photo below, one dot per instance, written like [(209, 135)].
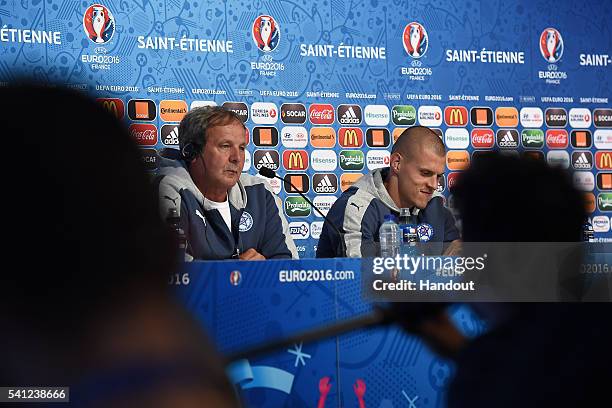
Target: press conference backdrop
[(325, 87)]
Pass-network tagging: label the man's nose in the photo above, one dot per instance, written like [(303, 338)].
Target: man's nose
[(234, 155)]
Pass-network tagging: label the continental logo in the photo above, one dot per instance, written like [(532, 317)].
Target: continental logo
[(113, 105), (325, 183), (397, 132), (507, 117), (481, 116), (293, 113), (378, 137), (296, 183), (348, 179), (457, 159), (603, 160), (144, 134), (581, 139), (322, 137), (349, 114), (297, 207), (556, 117), (456, 116), (403, 115), (350, 137), (239, 109), (141, 109), (589, 202), (602, 117), (172, 111), (295, 160), (532, 138), (265, 136), (352, 160)]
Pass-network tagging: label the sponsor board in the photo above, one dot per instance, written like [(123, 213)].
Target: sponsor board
[(481, 116), (348, 179), (584, 180), (299, 230), (352, 160), (580, 118), (376, 115), (295, 183), (604, 202), (322, 137), (507, 116), (456, 116), (142, 109), (265, 136), (581, 139), (295, 160), (349, 115), (114, 106), (315, 229), (483, 138), (323, 160), (239, 108), (532, 138), (590, 203), (274, 183), (507, 138), (293, 113), (323, 203), (397, 132), (403, 115), (602, 117), (430, 116), (457, 159), (557, 138), (603, 138), (266, 158), (378, 137), (325, 183), (169, 135), (582, 160), (604, 181), (172, 110), (350, 137), (457, 138), (247, 161), (201, 104), (556, 117), (145, 134), (264, 113), (532, 117), (558, 158), (601, 223), (321, 114), (603, 160), (296, 206), (294, 137), (377, 159), (533, 155)]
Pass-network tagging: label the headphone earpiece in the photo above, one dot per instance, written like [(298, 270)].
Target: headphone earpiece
[(189, 152)]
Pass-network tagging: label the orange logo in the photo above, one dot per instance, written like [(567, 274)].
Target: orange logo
[(172, 111), (397, 132), (589, 202), (322, 137), (351, 137), (348, 179), (457, 159), (114, 106), (507, 117)]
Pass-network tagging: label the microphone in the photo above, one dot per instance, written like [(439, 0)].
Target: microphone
[(269, 173)]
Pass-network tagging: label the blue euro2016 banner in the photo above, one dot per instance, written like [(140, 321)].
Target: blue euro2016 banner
[(325, 87)]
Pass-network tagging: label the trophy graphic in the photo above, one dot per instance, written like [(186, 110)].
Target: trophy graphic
[(415, 39), (98, 23), (551, 44), (266, 32)]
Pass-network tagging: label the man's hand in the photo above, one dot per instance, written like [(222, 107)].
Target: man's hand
[(251, 255), (454, 248)]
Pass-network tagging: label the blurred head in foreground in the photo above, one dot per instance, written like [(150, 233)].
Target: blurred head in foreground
[(86, 302)]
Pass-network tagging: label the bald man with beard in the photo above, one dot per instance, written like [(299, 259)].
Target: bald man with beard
[(416, 163)]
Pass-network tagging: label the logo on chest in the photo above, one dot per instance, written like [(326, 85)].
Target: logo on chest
[(246, 222)]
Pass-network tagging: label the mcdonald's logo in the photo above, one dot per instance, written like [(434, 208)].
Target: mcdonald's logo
[(113, 105), (351, 137), (603, 160), (295, 160), (456, 115)]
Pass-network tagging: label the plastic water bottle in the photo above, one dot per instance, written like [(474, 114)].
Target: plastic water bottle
[(174, 220), (408, 233), (389, 237)]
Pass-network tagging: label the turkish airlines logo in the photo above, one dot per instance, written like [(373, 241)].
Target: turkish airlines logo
[(602, 117), (325, 183), (169, 135), (239, 109), (113, 105), (580, 118), (506, 117), (296, 183), (265, 136), (378, 137), (350, 137), (266, 158), (144, 134), (582, 160), (377, 159), (532, 117), (603, 160), (321, 114), (295, 160), (293, 113), (581, 139), (141, 109), (456, 116), (507, 138), (349, 114), (482, 138), (556, 117), (481, 116), (264, 113), (557, 138), (430, 116), (324, 204)]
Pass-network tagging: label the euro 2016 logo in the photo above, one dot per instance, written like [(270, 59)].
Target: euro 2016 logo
[(415, 40), (551, 45), (266, 33), (99, 24)]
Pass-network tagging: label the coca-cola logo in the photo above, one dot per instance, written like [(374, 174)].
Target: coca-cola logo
[(321, 114), (482, 138), (557, 138), (144, 134)]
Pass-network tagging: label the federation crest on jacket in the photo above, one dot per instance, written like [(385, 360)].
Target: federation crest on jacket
[(99, 24), (266, 33), (551, 45), (415, 40)]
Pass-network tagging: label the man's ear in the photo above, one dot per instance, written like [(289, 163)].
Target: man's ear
[(395, 162)]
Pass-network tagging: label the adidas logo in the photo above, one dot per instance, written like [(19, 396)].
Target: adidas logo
[(267, 161), (582, 162), (172, 137), (325, 186), (349, 117), (508, 141)]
